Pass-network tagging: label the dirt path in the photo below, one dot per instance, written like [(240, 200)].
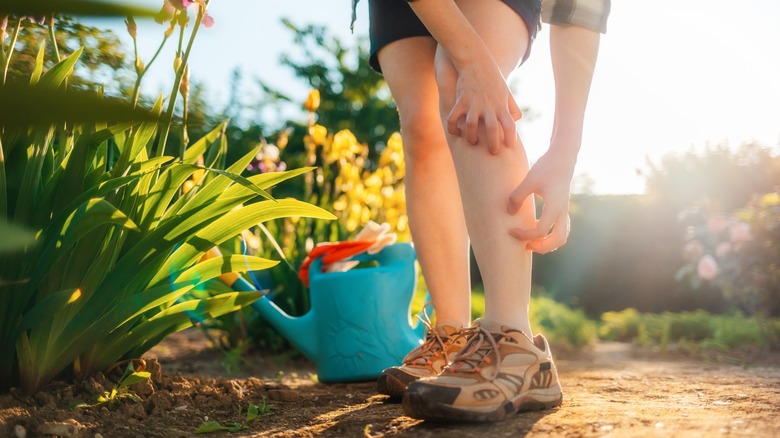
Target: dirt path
[(611, 390)]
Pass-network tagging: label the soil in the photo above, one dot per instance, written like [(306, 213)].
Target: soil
[(611, 389)]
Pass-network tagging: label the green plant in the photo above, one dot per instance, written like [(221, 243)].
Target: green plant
[(119, 237), (561, 323), (253, 412), (122, 388), (691, 330)]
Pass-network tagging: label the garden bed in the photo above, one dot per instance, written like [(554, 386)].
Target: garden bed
[(610, 388)]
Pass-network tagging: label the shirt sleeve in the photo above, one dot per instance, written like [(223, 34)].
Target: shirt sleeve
[(590, 14)]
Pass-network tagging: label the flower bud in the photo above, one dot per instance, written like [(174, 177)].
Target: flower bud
[(132, 28), (176, 64), (139, 66), (312, 101), (3, 26), (184, 87), (169, 30)]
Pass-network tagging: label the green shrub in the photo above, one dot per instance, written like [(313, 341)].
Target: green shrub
[(620, 326), (561, 323), (119, 234), (690, 330)]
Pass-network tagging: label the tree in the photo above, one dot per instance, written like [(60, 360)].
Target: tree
[(103, 55), (353, 96)]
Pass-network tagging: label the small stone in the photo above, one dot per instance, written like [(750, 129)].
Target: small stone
[(144, 388), (92, 386), (154, 368), (20, 431), (287, 395), (64, 429), (255, 384), (97, 435), (234, 389)]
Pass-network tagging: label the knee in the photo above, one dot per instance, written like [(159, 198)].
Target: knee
[(423, 135)]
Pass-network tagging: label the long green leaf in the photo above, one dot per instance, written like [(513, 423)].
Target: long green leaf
[(23, 106), (90, 8), (166, 187), (36, 74), (3, 184), (199, 147), (211, 268), (233, 223), (14, 237), (137, 143), (214, 188), (56, 75), (180, 316), (89, 216)]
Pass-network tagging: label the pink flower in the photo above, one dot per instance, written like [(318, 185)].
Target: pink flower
[(723, 249), (707, 268), (693, 250), (740, 233), (170, 7), (181, 4), (717, 223), (3, 26)]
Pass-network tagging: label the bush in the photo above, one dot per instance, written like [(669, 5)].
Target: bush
[(115, 262), (696, 329)]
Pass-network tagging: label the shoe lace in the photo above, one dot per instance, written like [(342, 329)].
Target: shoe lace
[(480, 349), (434, 344)]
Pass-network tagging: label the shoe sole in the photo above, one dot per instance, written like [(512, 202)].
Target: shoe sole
[(390, 385), (420, 407)]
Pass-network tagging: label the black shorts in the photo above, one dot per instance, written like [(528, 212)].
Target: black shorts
[(392, 20)]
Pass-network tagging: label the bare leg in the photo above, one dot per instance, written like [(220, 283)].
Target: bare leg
[(486, 180), (432, 199)]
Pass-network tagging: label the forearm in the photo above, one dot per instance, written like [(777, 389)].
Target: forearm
[(573, 51)]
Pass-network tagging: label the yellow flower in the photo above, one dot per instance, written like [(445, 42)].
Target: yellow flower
[(318, 134), (312, 101)]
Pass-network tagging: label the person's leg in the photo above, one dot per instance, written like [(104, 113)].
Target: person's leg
[(434, 209), (486, 180), (432, 199), (501, 369)]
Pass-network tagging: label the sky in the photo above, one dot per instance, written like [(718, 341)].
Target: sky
[(671, 75)]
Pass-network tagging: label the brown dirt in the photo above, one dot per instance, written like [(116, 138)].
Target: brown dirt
[(611, 390)]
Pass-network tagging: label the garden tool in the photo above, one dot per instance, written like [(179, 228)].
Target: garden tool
[(359, 322)]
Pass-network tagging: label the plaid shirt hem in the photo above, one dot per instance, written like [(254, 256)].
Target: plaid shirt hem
[(590, 14)]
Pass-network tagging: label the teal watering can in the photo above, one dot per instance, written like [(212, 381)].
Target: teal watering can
[(359, 322)]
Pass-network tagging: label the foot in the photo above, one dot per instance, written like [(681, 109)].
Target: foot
[(499, 372), (429, 359)]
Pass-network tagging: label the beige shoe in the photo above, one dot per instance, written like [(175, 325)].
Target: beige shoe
[(499, 372), (428, 360)]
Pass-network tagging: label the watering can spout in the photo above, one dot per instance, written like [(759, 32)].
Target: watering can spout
[(300, 331)]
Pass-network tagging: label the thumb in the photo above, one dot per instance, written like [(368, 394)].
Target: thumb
[(514, 110), (518, 196)]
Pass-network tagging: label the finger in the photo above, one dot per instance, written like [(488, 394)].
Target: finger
[(509, 130), (519, 196), (453, 118), (553, 241), (491, 132), (541, 229), (514, 110), (472, 127)]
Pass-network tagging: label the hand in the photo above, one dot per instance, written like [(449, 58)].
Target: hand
[(550, 179), (482, 95)]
